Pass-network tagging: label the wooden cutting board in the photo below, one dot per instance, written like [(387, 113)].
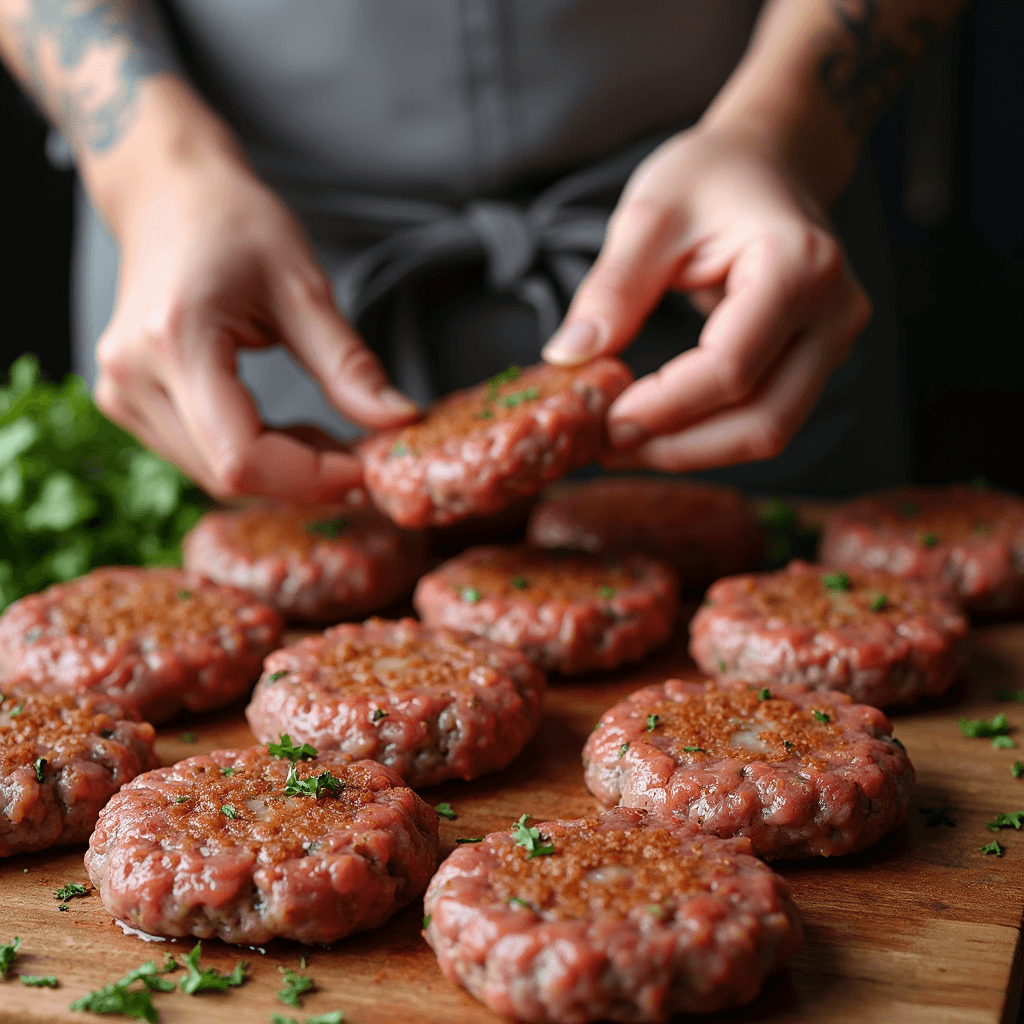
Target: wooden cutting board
[(922, 928)]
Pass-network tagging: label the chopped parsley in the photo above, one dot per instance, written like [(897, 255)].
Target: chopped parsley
[(721, 665), (210, 979), (899, 743), (994, 847), (779, 515), (607, 592), (17, 711), (181, 799), (188, 737), (982, 529), (378, 714), (908, 509), (1003, 694), (1015, 819), (936, 816), (63, 908), (398, 450), (485, 414), (284, 748), (39, 764), (229, 771), (529, 838), (652, 722), (878, 602), (787, 744), (929, 540), (426, 921), (39, 980), (70, 891), (334, 1017), (764, 693), (120, 997), (274, 676), (516, 901), (623, 749), (470, 595), (8, 951), (976, 727), (837, 580), (329, 528), (445, 810), (519, 582), (325, 782), (1017, 769), (184, 595), (469, 839), (507, 376), (694, 750), (821, 717), (295, 985), (518, 397), (1003, 743), (228, 810)]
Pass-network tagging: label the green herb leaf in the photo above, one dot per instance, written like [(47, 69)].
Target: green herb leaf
[(623, 749), (929, 540), (426, 921), (908, 508), (518, 397), (976, 727), (184, 595), (39, 764), (821, 717), (1015, 819), (334, 1017), (525, 836), (445, 810), (286, 749), (398, 450), (507, 376), (228, 810), (17, 711), (722, 665), (274, 676), (694, 750), (519, 582), (229, 771), (210, 979), (8, 951), (1003, 694), (184, 799), (295, 985), (1017, 769), (468, 839), (70, 891), (378, 714), (606, 592), (329, 528), (878, 602), (188, 737), (325, 782), (470, 595), (1003, 743), (485, 414), (837, 580), (995, 847), (899, 743), (652, 722), (116, 998), (39, 980), (982, 529), (515, 901), (764, 693)]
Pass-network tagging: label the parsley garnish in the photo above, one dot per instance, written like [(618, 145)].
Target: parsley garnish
[(764, 693), (1003, 743), (899, 743), (652, 722), (982, 529), (8, 951), (17, 711), (329, 528), (1017, 769), (334, 1017), (188, 737), (721, 665), (181, 799), (976, 727), (469, 839), (929, 540), (935, 816), (525, 836), (623, 749), (517, 902), (228, 810), (694, 750), (184, 595), (209, 980), (1015, 819), (426, 921), (507, 376), (295, 985), (229, 771), (820, 716), (325, 782), (39, 764), (119, 997), (518, 397), (470, 595), (484, 414), (519, 582), (63, 908), (399, 449), (70, 891), (445, 810), (378, 714), (994, 847), (837, 580), (1004, 694), (286, 749), (908, 509), (606, 592), (780, 515), (878, 602), (39, 980), (274, 676)]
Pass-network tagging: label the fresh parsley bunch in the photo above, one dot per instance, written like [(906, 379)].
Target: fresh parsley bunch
[(76, 491)]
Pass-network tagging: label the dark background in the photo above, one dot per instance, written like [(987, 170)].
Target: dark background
[(949, 154)]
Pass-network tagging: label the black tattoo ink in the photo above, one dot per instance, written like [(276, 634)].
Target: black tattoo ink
[(92, 114), (862, 80)]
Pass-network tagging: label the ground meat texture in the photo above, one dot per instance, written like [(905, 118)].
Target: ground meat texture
[(312, 565), (634, 917), (431, 704), (158, 640), (882, 640), (968, 542), (482, 449), (216, 847), (61, 759), (703, 530), (566, 612), (798, 772)]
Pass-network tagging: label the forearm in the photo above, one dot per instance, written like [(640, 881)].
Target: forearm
[(104, 72), (817, 73)]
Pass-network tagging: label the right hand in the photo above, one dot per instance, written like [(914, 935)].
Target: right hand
[(211, 262)]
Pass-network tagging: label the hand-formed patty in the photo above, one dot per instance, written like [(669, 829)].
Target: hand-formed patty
[(703, 530), (797, 772), (61, 759), (431, 704), (632, 917), (566, 612), (966, 541), (244, 846), (312, 565), (880, 639), (481, 449), (159, 640)]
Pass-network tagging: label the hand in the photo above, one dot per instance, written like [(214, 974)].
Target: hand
[(716, 214), (212, 262)]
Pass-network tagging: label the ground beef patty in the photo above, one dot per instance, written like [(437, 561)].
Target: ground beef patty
[(481, 449), (798, 772), (159, 640), (632, 917), (62, 757), (431, 704), (966, 541), (882, 640), (312, 565), (705, 531), (566, 612), (244, 846)]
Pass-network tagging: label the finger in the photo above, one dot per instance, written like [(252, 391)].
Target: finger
[(762, 427), (775, 286), (640, 256), (349, 373)]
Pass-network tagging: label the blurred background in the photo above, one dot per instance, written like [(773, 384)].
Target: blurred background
[(949, 154)]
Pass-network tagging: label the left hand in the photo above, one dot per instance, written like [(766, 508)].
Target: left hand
[(717, 214)]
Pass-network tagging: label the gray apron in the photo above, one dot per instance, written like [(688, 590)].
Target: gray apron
[(454, 162)]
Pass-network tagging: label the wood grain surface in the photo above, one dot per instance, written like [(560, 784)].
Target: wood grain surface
[(922, 928)]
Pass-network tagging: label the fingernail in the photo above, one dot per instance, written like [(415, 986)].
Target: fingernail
[(624, 434), (573, 344), (396, 400)]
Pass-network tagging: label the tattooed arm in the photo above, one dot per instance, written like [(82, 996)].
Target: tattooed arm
[(210, 261), (733, 213)]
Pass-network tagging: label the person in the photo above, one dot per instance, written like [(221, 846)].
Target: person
[(249, 168)]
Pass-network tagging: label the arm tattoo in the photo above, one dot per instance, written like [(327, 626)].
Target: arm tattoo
[(862, 77), (86, 60)]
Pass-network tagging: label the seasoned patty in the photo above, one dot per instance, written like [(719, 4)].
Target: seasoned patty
[(62, 757), (703, 530), (882, 640), (798, 772), (968, 542), (431, 704), (245, 846), (630, 917), (480, 450), (313, 565), (159, 640), (566, 612)]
